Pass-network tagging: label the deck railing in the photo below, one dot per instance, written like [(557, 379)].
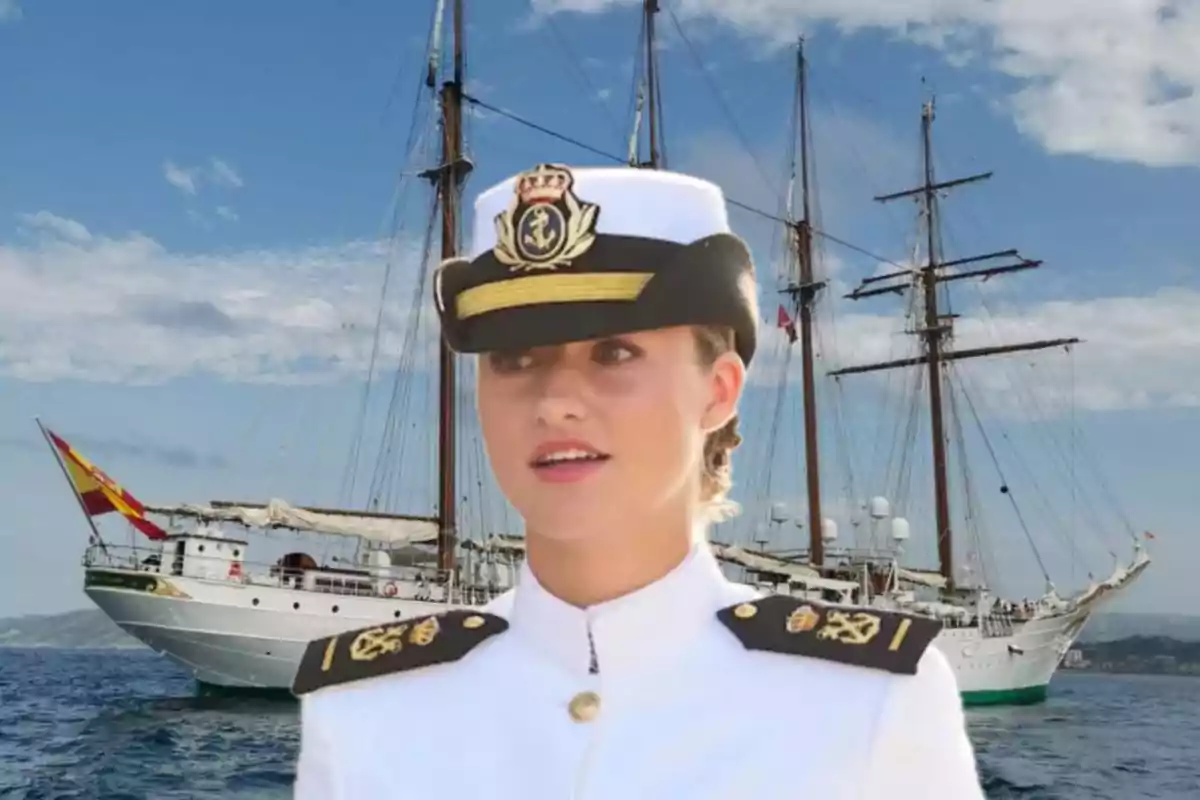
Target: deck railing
[(475, 581)]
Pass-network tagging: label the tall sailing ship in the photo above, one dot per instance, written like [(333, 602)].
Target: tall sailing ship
[(1003, 650), (193, 594)]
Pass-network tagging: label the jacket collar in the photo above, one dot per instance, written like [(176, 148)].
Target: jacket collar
[(627, 633)]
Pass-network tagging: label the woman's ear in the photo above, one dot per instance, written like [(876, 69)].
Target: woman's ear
[(726, 379)]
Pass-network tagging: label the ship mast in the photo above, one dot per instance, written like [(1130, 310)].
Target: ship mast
[(803, 291), (651, 93), (803, 294), (449, 177), (936, 328)]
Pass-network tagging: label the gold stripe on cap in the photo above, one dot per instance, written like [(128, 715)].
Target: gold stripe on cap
[(534, 290)]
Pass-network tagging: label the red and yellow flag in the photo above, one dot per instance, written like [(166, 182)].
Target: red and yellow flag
[(100, 494)]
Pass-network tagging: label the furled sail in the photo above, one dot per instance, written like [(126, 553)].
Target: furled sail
[(765, 563), (386, 528)]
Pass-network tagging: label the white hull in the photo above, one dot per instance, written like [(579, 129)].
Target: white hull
[(1010, 668), (219, 636), (247, 635), (1013, 661), (222, 638)]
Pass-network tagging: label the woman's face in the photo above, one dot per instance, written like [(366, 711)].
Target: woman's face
[(589, 437)]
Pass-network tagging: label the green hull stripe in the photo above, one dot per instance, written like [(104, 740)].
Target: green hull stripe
[(1005, 697), (217, 692), (120, 580)]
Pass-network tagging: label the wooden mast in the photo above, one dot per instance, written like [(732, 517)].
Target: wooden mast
[(936, 328), (655, 158), (449, 177), (649, 9), (933, 349), (804, 296)]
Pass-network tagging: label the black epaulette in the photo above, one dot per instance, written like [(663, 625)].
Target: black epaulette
[(866, 637), (395, 647)]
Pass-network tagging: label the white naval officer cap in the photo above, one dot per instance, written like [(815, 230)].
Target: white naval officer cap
[(653, 204), (562, 254)]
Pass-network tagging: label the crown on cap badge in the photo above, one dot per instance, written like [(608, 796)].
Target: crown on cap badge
[(545, 225)]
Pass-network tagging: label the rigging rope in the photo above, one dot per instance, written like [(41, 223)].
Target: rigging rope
[(1032, 407), (729, 117), (1055, 521), (576, 63), (974, 511), (1007, 490), (1080, 442), (540, 128), (412, 141), (468, 98), (766, 473), (401, 393)]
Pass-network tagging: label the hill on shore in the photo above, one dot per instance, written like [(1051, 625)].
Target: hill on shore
[(87, 628), (1123, 625)]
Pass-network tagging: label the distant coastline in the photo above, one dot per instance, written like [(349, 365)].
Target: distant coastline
[(87, 629), (1136, 655)]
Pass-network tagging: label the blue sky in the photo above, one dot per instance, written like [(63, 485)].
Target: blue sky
[(195, 202)]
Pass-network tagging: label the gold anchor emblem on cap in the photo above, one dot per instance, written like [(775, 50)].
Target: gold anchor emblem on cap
[(545, 225)]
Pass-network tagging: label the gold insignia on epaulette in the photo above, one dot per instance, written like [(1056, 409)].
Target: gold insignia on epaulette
[(330, 649), (425, 631), (375, 642), (745, 611), (803, 619), (545, 225), (900, 634), (847, 628), (865, 637), (405, 645)]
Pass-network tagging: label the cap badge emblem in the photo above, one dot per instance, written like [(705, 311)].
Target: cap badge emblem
[(546, 225)]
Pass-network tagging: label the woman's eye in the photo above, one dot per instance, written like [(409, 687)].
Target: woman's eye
[(511, 362), (615, 352)]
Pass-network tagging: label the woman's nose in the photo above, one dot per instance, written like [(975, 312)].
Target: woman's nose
[(561, 397)]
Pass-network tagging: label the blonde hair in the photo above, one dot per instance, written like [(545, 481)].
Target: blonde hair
[(716, 476)]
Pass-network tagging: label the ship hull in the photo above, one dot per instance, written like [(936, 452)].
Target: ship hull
[(1012, 666), (221, 635), (252, 637)]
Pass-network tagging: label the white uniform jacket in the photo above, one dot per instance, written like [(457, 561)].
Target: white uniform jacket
[(647, 697)]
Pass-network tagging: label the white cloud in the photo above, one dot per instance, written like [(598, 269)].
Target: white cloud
[(55, 225), (75, 304), (181, 178), (10, 11), (1136, 352), (1115, 79), (189, 179), (227, 213), (225, 175)]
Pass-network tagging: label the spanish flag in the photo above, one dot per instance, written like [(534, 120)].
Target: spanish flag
[(785, 322), (100, 494)]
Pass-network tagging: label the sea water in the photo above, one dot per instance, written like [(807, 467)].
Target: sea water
[(127, 725)]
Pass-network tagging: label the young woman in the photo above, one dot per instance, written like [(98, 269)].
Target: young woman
[(614, 316)]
